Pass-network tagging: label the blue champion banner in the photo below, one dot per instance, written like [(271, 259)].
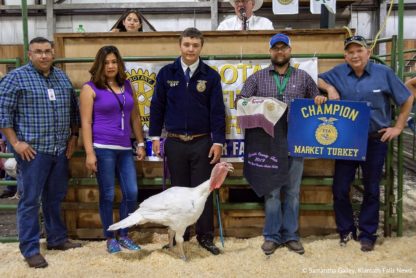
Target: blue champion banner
[(333, 130)]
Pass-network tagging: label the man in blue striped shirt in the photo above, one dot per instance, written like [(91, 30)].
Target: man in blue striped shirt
[(40, 117)]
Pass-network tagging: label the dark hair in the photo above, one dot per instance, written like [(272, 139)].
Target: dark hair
[(97, 69), (40, 40), (119, 24), (191, 32)]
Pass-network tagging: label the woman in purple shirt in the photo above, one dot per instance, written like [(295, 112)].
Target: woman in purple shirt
[(108, 116)]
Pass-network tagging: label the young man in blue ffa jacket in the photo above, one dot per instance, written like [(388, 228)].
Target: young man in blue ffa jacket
[(188, 102), (361, 80)]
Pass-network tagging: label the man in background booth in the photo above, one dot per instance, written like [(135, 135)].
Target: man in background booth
[(244, 19)]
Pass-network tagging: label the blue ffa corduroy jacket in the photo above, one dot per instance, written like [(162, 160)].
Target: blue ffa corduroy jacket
[(194, 108)]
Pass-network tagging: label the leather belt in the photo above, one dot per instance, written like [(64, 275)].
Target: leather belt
[(185, 137)]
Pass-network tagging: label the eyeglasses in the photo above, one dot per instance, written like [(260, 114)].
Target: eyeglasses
[(38, 52), (281, 48), (355, 38)]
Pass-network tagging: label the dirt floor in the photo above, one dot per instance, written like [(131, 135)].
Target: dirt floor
[(392, 257)]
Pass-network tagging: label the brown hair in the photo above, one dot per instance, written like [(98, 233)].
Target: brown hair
[(119, 24), (97, 69), (191, 32)]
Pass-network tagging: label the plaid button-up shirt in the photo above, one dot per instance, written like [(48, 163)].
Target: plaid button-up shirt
[(25, 106), (263, 84)]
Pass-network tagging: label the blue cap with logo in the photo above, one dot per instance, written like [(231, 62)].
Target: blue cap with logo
[(279, 38)]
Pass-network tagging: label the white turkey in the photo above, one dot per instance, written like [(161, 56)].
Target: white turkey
[(177, 207)]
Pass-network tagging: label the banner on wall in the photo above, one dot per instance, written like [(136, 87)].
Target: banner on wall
[(315, 6), (233, 75), (285, 6)]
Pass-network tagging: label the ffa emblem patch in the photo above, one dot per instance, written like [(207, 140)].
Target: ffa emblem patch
[(143, 85), (270, 107), (326, 133), (201, 86)]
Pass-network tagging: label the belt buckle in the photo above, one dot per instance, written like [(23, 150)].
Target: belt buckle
[(186, 137)]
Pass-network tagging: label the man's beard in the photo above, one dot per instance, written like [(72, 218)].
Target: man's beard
[(281, 63)]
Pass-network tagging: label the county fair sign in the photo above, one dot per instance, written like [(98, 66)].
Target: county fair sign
[(233, 75)]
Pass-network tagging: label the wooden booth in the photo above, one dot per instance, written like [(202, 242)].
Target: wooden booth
[(242, 212)]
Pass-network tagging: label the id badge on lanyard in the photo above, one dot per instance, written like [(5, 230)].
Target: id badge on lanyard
[(51, 95)]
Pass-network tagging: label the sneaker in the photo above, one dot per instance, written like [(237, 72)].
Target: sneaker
[(269, 247), (295, 246), (113, 246), (345, 238), (366, 245), (127, 243)]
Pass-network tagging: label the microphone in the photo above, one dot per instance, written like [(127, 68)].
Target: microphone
[(243, 17), (242, 12)]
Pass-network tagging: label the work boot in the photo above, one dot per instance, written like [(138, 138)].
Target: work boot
[(269, 247), (295, 246), (36, 261), (65, 246)]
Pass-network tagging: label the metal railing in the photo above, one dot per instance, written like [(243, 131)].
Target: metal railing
[(389, 197), (16, 62)]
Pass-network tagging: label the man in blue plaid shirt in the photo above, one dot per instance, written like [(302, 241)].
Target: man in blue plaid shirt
[(282, 81), (39, 115)]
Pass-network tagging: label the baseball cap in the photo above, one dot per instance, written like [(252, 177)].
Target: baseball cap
[(279, 38), (355, 39)]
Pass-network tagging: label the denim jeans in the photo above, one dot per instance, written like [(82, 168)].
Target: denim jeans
[(372, 170), (281, 218), (111, 164), (45, 179)]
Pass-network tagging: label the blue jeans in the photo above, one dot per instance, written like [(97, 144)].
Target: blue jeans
[(372, 170), (281, 218), (111, 164), (44, 179)]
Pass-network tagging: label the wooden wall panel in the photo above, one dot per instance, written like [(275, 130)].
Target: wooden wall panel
[(216, 43), (9, 51)]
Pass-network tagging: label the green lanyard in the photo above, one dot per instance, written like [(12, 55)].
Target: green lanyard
[(282, 86)]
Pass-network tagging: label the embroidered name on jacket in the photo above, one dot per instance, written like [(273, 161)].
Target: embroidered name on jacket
[(173, 83)]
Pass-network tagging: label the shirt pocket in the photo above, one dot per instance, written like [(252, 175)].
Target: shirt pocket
[(28, 98), (377, 99)]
